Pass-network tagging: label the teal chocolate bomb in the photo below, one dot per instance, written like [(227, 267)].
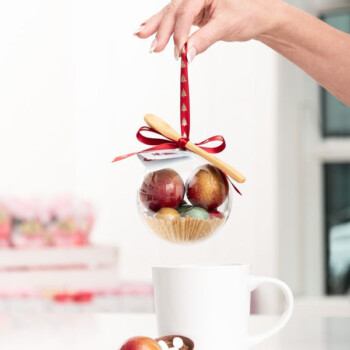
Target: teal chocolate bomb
[(183, 208), (195, 212)]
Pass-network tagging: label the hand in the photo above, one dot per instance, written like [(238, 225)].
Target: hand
[(227, 20)]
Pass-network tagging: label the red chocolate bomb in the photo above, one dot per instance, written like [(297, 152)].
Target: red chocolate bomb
[(162, 188), (214, 214), (207, 188), (141, 343)]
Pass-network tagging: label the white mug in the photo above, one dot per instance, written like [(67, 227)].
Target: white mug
[(211, 304)]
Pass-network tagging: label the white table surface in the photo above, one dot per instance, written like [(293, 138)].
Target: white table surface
[(62, 331)]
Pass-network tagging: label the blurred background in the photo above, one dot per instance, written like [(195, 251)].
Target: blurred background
[(75, 85)]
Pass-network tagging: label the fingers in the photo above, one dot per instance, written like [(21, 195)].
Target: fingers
[(150, 26), (202, 39), (177, 17), (163, 23), (164, 32), (185, 16)]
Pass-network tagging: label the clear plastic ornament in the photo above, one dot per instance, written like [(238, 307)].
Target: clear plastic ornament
[(182, 198)]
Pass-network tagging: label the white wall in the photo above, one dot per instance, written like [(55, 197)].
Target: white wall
[(86, 83), (37, 137)]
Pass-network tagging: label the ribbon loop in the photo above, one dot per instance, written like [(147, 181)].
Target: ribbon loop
[(152, 141), (217, 149)]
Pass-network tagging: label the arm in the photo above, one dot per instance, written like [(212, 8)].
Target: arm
[(319, 49)]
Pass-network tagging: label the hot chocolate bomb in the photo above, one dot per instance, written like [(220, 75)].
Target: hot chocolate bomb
[(162, 189), (163, 203), (207, 188), (171, 342)]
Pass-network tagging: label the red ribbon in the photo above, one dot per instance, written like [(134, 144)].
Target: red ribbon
[(184, 96), (167, 143)]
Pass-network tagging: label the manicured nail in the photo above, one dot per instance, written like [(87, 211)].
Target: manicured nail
[(191, 54), (153, 45), (139, 29), (176, 53)]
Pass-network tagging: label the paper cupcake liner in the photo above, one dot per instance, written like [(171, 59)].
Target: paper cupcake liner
[(184, 229)]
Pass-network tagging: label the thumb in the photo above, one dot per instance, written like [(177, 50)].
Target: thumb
[(202, 39)]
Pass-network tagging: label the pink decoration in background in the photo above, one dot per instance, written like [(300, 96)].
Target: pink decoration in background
[(65, 221), (72, 223), (5, 227)]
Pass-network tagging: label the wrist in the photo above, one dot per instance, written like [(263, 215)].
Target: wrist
[(278, 18)]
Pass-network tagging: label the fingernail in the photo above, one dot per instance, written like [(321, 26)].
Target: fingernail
[(153, 45), (139, 29), (191, 54), (176, 53)]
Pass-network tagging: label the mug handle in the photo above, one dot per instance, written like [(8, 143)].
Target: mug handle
[(256, 282)]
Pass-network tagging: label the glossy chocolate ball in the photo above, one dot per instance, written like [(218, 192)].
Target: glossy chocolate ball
[(207, 188), (141, 343), (196, 213), (162, 188), (167, 213), (184, 207), (214, 214)]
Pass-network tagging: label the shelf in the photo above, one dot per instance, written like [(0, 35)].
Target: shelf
[(92, 267), (90, 256), (45, 281)]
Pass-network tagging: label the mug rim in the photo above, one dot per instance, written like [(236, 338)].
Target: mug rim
[(200, 266)]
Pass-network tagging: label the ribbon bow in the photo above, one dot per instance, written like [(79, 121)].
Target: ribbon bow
[(167, 143)]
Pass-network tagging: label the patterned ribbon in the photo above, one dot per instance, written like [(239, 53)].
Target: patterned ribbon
[(184, 96), (167, 143)]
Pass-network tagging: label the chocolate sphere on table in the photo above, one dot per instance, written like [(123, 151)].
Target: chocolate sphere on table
[(141, 343), (182, 213)]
